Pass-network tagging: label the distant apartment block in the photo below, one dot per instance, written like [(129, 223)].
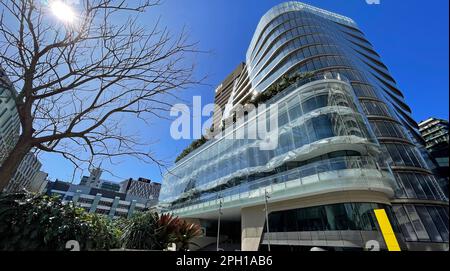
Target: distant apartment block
[(225, 94), (28, 170), (9, 119), (26, 174), (97, 200), (108, 198), (39, 183), (141, 188), (435, 133)]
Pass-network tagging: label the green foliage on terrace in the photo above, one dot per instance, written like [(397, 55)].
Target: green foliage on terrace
[(193, 146), (30, 222), (282, 83)]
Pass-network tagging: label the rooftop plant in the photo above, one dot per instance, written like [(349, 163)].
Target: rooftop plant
[(280, 85)]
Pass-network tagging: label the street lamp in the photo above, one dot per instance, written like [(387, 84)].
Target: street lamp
[(267, 197), (62, 11), (218, 223)]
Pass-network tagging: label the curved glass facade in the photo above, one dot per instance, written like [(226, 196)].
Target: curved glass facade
[(318, 123), (351, 106), (291, 38)]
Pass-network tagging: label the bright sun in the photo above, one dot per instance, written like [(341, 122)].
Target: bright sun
[(62, 11)]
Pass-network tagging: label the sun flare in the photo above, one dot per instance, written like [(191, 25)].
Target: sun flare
[(62, 11)]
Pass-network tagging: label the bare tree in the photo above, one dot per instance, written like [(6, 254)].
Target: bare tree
[(76, 79)]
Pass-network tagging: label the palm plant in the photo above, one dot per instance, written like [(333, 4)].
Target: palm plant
[(165, 231), (151, 231), (139, 231), (185, 233)]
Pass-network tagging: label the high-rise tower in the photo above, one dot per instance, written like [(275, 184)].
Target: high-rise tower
[(346, 144)]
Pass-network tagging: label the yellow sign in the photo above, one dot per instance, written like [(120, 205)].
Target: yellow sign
[(386, 230)]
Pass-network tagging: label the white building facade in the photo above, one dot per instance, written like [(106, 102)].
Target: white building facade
[(9, 134)]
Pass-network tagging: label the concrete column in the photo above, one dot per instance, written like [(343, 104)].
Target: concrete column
[(252, 225), (76, 197), (95, 203), (114, 205), (131, 210)]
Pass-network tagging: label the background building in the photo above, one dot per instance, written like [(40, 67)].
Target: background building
[(27, 172), (224, 95), (39, 183), (9, 119), (93, 180), (435, 133), (108, 198), (141, 188), (97, 200), (346, 144)]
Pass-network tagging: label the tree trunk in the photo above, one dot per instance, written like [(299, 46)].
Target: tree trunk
[(12, 162)]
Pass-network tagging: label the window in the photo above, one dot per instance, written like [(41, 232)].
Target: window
[(417, 223), (300, 136), (285, 143), (404, 155), (314, 103), (429, 224), (407, 189), (323, 127), (405, 224), (346, 216), (439, 221), (283, 118), (422, 222), (396, 158), (384, 128), (294, 108), (375, 108), (309, 128), (364, 90)]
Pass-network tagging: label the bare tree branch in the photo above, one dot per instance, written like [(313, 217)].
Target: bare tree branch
[(76, 81)]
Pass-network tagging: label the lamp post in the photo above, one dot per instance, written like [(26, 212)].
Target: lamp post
[(267, 197), (218, 223)]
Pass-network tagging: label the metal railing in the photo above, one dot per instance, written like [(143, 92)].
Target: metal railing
[(322, 170)]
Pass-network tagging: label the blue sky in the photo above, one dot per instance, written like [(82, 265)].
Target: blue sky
[(411, 37)]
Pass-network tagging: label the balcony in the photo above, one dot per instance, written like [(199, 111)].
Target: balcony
[(333, 175)]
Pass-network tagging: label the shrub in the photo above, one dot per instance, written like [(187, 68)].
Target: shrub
[(40, 222), (150, 231)]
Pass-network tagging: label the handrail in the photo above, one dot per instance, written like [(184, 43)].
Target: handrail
[(325, 166)]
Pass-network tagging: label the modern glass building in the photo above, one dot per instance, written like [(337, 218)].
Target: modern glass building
[(344, 144)]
